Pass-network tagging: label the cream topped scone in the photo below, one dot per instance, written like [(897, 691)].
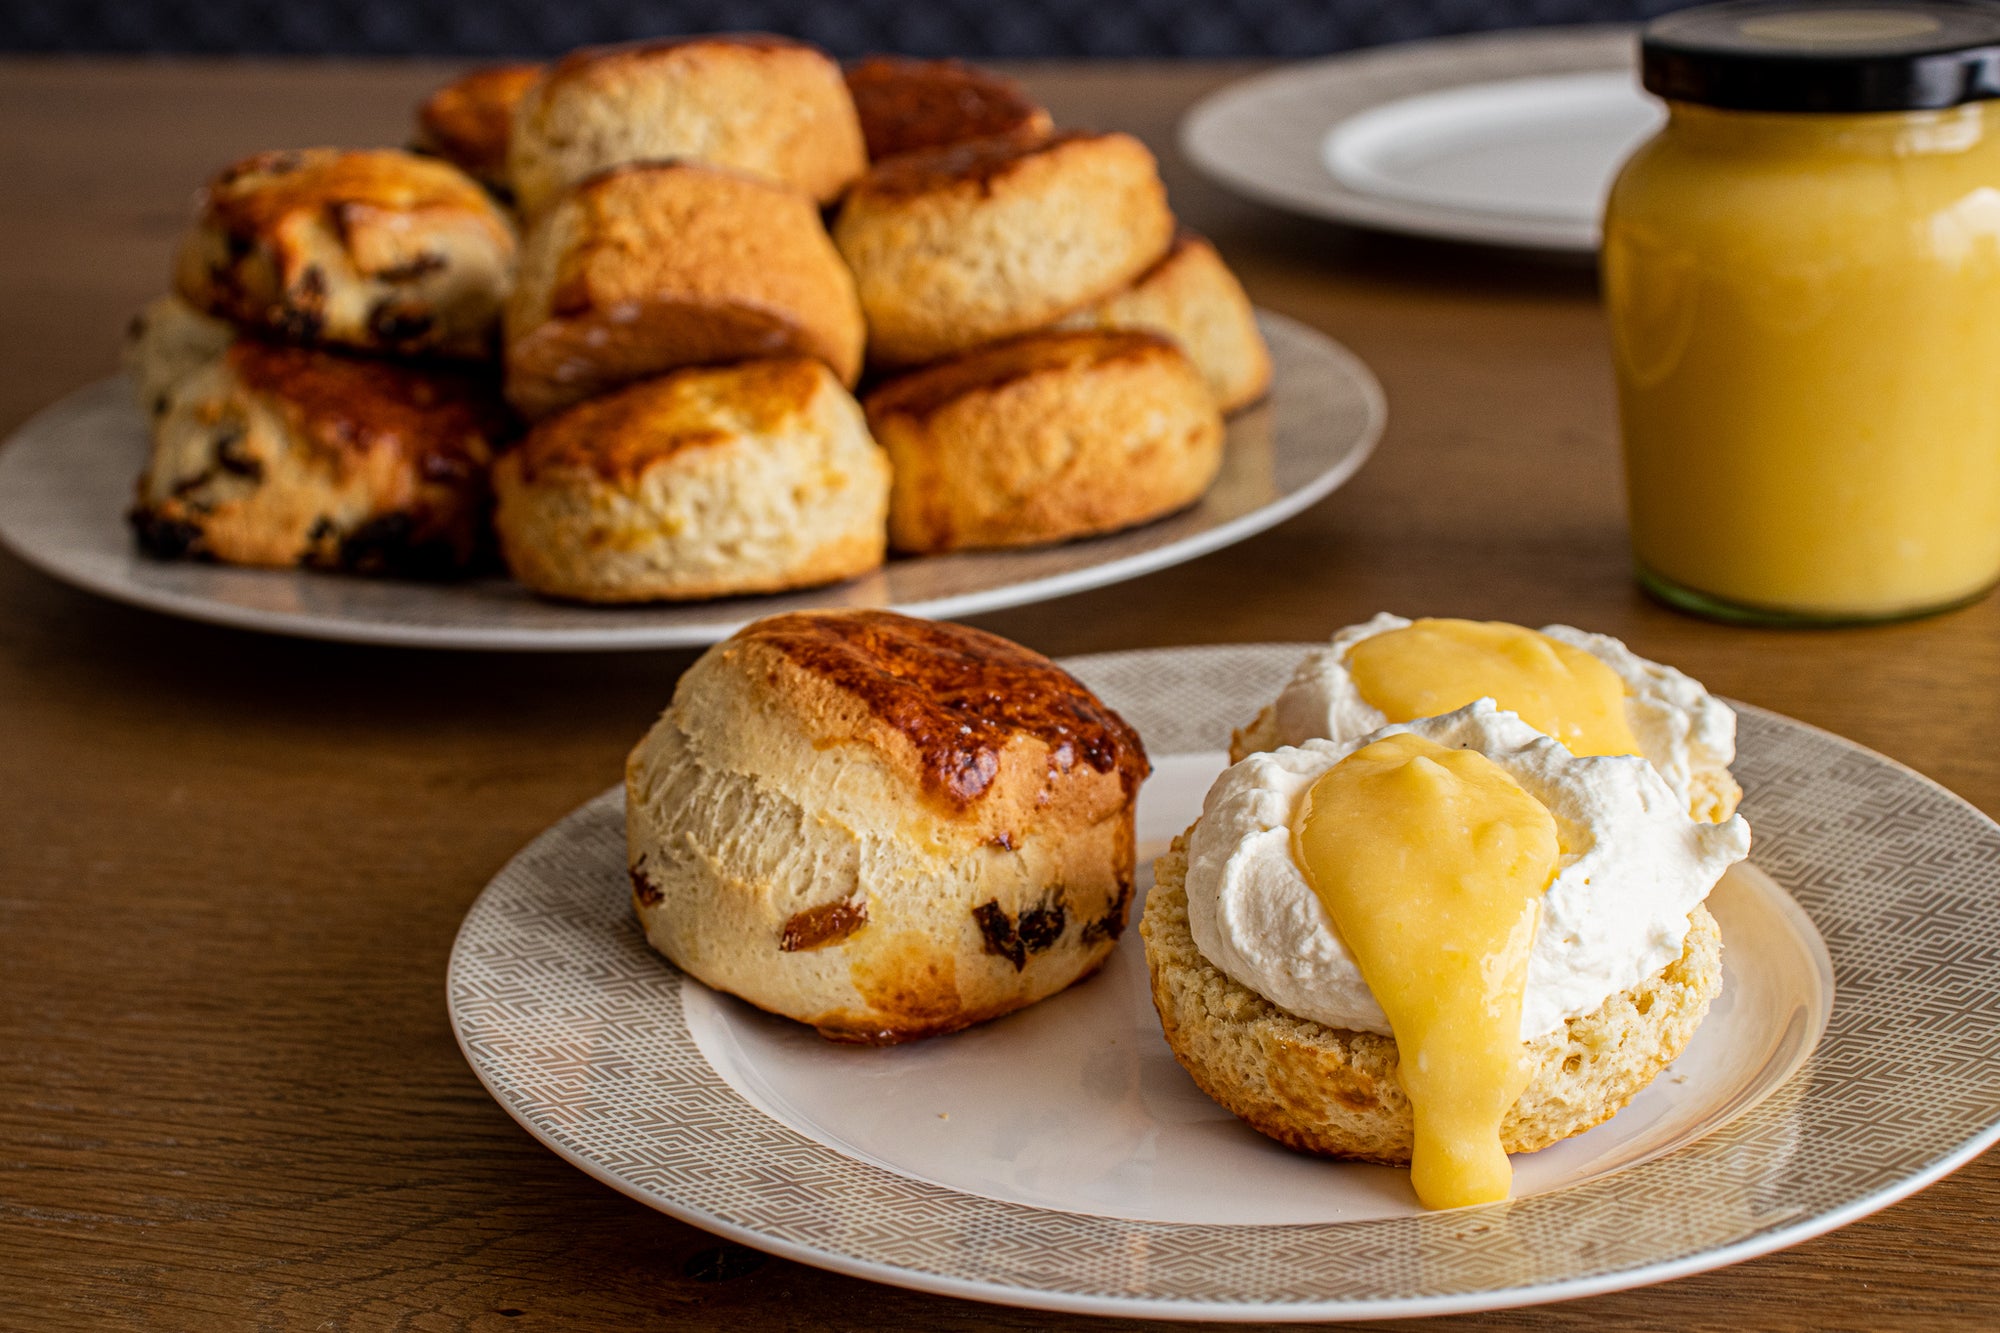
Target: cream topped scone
[(1588, 690), (1437, 942)]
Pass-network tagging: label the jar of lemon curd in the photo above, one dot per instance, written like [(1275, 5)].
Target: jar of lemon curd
[(1802, 273)]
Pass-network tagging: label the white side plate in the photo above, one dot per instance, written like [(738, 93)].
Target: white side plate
[(1060, 1159), (66, 481)]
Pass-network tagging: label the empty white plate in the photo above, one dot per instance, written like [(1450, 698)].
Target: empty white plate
[(1542, 148)]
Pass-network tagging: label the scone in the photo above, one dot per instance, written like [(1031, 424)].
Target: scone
[(1334, 1091), (770, 108), (1439, 942), (1193, 298), (1043, 438), (654, 266), (469, 120), (954, 247), (702, 483), (1685, 732), (373, 249), (276, 455), (887, 828), (906, 105)]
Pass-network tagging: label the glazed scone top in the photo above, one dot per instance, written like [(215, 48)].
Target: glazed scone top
[(343, 405), (957, 700), (908, 105), (365, 191), (621, 434), (1687, 733), (993, 367), (469, 119), (1633, 865)]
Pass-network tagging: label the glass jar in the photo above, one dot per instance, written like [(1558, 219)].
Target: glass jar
[(1802, 275)]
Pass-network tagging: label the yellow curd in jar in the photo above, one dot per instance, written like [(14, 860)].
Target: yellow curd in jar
[(1805, 315)]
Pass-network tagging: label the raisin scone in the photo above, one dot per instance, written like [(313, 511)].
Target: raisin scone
[(372, 249), (884, 827)]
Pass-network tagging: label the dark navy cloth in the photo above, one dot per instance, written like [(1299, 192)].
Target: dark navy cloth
[(996, 29)]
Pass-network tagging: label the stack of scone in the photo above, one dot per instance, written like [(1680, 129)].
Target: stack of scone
[(315, 383), (681, 333)]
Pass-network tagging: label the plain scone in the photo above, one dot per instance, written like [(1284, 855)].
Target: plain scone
[(906, 105), (770, 108), (884, 827), (701, 483), (1193, 298), (1335, 1092), (274, 455), (372, 249), (469, 121), (954, 247), (653, 266), (1043, 438)]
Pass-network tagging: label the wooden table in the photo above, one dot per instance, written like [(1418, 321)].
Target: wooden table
[(231, 866)]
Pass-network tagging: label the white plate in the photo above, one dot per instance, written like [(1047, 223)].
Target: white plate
[(1060, 1159), (1542, 149), (1507, 138), (66, 480)]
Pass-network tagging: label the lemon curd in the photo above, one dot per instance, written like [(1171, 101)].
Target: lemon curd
[(1431, 863), (1433, 666), (1802, 275)]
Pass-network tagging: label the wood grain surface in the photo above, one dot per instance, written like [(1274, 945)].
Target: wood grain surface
[(231, 866)]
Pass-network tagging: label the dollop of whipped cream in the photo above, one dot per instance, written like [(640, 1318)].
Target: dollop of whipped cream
[(1634, 864), (1681, 728)]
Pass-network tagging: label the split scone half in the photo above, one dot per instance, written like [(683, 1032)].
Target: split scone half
[(703, 483), (1286, 984), (767, 107), (1686, 733), (887, 828), (373, 250), (962, 245)]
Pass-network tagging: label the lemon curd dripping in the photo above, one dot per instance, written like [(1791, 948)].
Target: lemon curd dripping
[(1431, 667), (1431, 863)]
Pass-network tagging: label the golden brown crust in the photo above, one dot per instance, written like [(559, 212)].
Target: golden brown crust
[(652, 266), (959, 695), (959, 246), (617, 437), (374, 249), (908, 105), (1044, 438), (275, 455), (767, 106), (468, 121)]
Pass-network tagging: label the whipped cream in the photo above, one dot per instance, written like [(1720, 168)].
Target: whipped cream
[(1634, 864), (1681, 728)]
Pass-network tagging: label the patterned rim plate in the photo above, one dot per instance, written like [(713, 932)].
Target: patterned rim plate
[(1268, 137), (1830, 1080), (66, 481)]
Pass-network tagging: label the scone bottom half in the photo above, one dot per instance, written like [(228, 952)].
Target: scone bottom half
[(1336, 1093), (884, 827)]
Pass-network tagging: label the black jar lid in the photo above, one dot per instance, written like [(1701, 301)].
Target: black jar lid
[(1842, 56)]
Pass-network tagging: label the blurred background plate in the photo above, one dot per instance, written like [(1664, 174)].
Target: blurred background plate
[(1503, 139), (66, 480)]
